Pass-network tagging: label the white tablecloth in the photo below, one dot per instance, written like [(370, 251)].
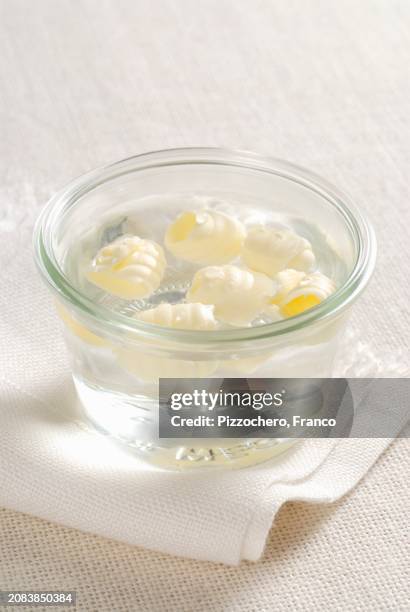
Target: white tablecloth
[(323, 83)]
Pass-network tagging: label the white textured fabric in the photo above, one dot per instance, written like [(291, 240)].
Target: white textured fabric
[(321, 83), (57, 470), (349, 556)]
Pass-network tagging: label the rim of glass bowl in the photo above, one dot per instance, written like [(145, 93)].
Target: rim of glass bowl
[(63, 200)]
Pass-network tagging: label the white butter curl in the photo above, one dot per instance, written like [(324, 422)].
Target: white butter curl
[(310, 291), (150, 367), (78, 329), (238, 295), (270, 250), (286, 281), (180, 316), (205, 237), (129, 267)]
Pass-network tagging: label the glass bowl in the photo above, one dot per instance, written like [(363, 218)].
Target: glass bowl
[(118, 360)]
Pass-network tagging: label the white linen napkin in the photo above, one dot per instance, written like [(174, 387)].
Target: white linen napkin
[(55, 469)]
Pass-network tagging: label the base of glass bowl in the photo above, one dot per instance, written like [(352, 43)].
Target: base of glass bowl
[(132, 422)]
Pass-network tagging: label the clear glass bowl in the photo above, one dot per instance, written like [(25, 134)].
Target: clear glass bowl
[(117, 360)]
